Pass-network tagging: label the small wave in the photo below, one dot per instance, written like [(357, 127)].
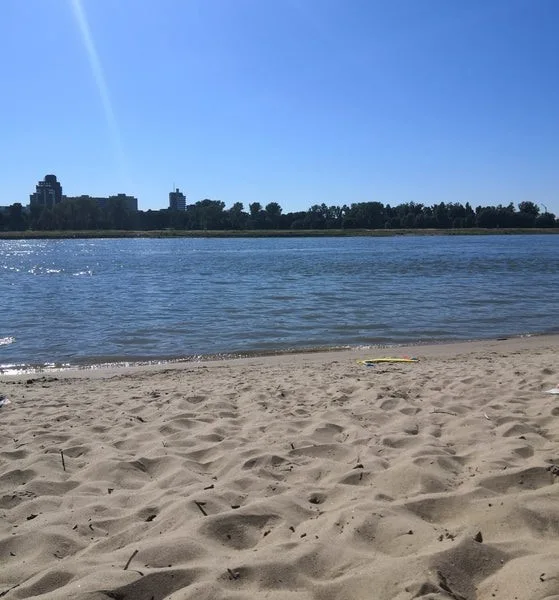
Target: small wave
[(40, 270), (7, 340), (80, 273)]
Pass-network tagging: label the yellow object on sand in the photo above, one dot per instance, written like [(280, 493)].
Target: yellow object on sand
[(387, 359)]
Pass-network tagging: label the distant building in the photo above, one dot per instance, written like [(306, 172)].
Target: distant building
[(130, 202), (47, 192), (96, 199), (177, 200)]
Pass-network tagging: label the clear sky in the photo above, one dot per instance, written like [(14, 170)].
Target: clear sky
[(292, 101)]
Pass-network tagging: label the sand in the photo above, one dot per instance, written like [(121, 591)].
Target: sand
[(298, 477)]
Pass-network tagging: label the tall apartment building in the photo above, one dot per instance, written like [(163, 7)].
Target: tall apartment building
[(177, 200), (47, 192)]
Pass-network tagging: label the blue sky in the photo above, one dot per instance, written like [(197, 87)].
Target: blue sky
[(292, 101)]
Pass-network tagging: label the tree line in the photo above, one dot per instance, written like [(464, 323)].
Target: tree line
[(85, 214)]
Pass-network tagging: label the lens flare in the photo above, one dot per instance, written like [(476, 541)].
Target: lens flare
[(100, 82)]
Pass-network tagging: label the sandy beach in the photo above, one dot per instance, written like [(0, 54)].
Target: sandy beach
[(294, 477)]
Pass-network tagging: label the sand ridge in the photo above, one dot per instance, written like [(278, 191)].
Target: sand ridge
[(304, 477)]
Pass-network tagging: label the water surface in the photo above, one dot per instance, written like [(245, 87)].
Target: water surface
[(88, 301)]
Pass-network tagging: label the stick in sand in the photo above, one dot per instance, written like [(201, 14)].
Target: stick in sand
[(62, 457), (9, 589), (200, 505), (130, 560)]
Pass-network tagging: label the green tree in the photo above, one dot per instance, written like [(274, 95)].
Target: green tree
[(210, 214), (529, 208), (409, 220), (487, 217), (153, 220), (273, 214), (255, 208), (316, 217), (257, 215), (366, 215), (470, 216), (238, 219), (47, 220), (16, 218), (441, 214), (87, 214), (117, 215), (34, 214), (546, 219)]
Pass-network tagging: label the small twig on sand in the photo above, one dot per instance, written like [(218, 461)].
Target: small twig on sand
[(201, 505), (130, 559), (232, 574), (444, 412), (485, 415), (9, 590), (62, 457)]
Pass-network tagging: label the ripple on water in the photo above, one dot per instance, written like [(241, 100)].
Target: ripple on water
[(70, 301)]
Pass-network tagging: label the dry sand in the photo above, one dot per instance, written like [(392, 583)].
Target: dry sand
[(303, 477)]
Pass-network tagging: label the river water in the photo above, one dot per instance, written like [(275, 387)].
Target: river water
[(109, 300)]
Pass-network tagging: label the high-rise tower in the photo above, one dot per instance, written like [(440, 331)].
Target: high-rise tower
[(47, 192), (177, 200)]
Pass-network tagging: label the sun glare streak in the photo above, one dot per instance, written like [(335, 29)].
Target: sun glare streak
[(100, 82)]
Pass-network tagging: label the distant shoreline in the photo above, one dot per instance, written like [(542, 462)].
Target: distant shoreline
[(265, 233)]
